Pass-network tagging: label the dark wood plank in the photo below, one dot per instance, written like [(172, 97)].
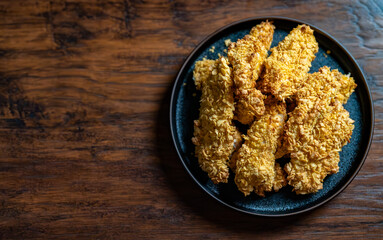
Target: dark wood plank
[(84, 136)]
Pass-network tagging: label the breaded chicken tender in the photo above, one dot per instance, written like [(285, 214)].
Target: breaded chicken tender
[(255, 166), (289, 62), (247, 56), (317, 129), (215, 136), (326, 85), (314, 139)]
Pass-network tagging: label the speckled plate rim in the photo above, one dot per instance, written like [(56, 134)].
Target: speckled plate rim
[(369, 106)]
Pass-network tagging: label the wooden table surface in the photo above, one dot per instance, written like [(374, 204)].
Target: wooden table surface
[(85, 144)]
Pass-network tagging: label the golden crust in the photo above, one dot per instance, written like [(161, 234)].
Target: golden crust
[(314, 138), (215, 136), (249, 104), (247, 56), (326, 84), (202, 72), (317, 129), (255, 166), (289, 62)]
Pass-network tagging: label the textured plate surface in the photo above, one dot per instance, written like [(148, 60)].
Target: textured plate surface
[(185, 104)]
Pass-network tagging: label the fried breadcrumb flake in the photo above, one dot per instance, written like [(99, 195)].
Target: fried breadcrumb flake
[(255, 166), (289, 62), (215, 136), (227, 42), (247, 56)]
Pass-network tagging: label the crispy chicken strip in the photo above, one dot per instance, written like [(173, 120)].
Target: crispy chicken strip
[(215, 136), (255, 166), (325, 84), (317, 129), (247, 56), (289, 62), (314, 139)]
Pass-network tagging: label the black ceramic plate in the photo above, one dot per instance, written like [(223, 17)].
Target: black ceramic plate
[(184, 109)]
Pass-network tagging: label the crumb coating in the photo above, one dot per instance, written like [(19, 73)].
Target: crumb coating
[(314, 140), (326, 84), (247, 57), (215, 136), (289, 62), (255, 166), (317, 129)]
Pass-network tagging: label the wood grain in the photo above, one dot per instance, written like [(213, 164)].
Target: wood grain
[(84, 131)]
